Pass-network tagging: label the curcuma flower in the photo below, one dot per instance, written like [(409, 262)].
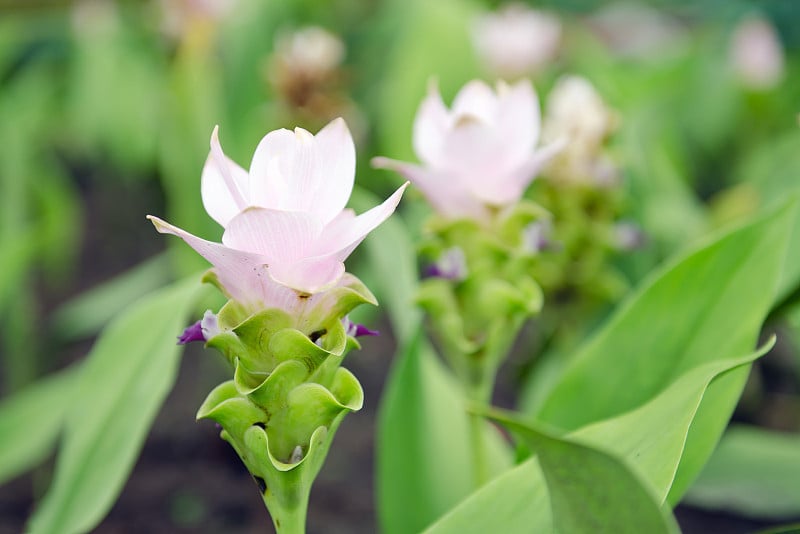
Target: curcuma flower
[(517, 41), (481, 153), (287, 232)]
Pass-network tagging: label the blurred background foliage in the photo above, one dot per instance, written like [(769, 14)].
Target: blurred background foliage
[(106, 109)]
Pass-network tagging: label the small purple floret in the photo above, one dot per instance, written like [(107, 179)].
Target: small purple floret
[(357, 330), (451, 265), (192, 333)]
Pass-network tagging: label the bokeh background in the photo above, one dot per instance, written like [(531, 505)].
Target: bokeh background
[(106, 108)]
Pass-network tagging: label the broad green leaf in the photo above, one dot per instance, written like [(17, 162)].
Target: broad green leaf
[(769, 172), (122, 384), (87, 313), (31, 420), (423, 443), (708, 305), (590, 490), (753, 472), (391, 257), (648, 439)]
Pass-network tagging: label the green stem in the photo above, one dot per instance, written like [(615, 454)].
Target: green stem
[(479, 452), (288, 511)]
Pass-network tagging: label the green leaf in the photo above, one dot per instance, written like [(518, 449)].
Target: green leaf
[(90, 311), (590, 490), (649, 440), (706, 306), (37, 414), (390, 250), (753, 472), (423, 443), (123, 382)]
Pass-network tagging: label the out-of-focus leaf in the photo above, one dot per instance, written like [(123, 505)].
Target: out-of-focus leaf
[(771, 171), (120, 389), (590, 490), (391, 259), (193, 107), (648, 439), (113, 97), (31, 420), (89, 312), (753, 472), (424, 443), (707, 305)]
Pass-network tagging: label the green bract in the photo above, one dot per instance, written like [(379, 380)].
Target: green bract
[(288, 394)]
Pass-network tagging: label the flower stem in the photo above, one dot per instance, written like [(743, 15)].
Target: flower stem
[(288, 512)]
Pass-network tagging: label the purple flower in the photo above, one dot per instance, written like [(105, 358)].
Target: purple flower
[(356, 329)]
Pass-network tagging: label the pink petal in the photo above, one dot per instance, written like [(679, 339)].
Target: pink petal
[(430, 126), (310, 275), (345, 233), (282, 237), (300, 172), (518, 118), (475, 99), (513, 186), (242, 274), (442, 189), (223, 184)]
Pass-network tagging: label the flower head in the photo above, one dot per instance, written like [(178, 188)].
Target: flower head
[(757, 54), (478, 154), (516, 41), (287, 232)]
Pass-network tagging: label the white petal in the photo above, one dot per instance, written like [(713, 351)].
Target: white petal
[(310, 275), (513, 186), (296, 171), (223, 184), (283, 237), (242, 274), (345, 233), (430, 126), (442, 189), (475, 99), (518, 119)]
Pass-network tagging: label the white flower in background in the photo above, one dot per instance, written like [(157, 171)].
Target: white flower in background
[(639, 31), (312, 51), (481, 153), (577, 113), (287, 232), (179, 15), (516, 41), (756, 54)]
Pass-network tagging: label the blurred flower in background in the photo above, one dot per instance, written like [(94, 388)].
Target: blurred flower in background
[(577, 113), (516, 41), (756, 54)]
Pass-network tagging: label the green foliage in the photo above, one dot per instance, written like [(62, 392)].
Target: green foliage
[(753, 472), (37, 413), (118, 393), (590, 490), (708, 305), (650, 440), (424, 465)]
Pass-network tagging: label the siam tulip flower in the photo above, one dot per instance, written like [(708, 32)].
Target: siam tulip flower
[(287, 232), (516, 41), (576, 112), (478, 155), (757, 54)]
